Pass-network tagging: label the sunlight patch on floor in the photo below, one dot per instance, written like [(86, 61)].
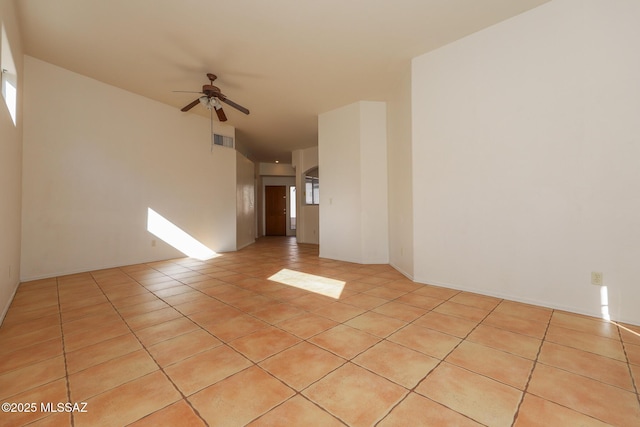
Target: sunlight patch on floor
[(309, 282), (173, 235)]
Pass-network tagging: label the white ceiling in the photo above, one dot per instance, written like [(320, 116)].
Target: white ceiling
[(285, 60)]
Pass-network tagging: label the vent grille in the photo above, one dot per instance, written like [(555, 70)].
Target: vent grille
[(223, 140)]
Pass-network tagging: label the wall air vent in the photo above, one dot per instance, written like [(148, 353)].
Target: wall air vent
[(225, 141)]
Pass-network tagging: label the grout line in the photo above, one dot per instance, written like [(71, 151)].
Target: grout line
[(441, 361), (235, 265), (626, 355), (155, 361), (64, 352), (533, 368), (256, 364)]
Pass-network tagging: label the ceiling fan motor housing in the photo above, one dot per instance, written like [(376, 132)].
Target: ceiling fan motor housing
[(210, 90)]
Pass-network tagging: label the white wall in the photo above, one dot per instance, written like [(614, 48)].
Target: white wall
[(352, 152), (374, 183), (339, 167), (97, 157), (400, 175), (276, 169), (526, 142), (10, 163), (308, 227), (245, 201)]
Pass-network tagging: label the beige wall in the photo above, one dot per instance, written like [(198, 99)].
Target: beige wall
[(276, 169), (400, 174), (526, 142), (352, 152), (97, 157), (245, 201), (10, 165)]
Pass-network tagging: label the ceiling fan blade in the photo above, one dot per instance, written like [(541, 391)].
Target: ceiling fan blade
[(221, 116), (191, 105), (233, 104)]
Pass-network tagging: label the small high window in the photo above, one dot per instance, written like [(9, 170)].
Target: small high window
[(10, 96), (9, 77)]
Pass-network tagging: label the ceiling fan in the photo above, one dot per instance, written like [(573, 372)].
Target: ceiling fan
[(211, 97)]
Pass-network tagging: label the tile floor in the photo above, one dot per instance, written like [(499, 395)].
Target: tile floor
[(192, 343)]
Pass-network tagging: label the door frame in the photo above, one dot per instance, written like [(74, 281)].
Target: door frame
[(268, 180)]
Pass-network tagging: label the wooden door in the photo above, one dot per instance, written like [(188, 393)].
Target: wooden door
[(275, 208)]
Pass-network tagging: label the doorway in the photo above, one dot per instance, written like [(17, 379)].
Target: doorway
[(275, 205)]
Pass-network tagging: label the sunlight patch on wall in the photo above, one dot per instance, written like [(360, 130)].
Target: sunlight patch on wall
[(309, 282), (173, 235), (604, 303)]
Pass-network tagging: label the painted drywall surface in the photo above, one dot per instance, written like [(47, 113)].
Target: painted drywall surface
[(374, 216), (525, 159), (10, 165), (353, 190), (287, 181), (308, 215), (276, 169), (96, 158), (340, 197), (245, 201), (399, 174)]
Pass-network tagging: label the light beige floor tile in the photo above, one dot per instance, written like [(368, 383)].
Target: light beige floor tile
[(302, 364), (178, 414), (31, 376), (537, 412), (418, 411), (112, 373), (101, 352), (596, 399), (263, 343), (495, 364), (257, 391), (396, 363), (376, 324), (29, 355), (166, 330), (344, 341), (55, 391), (343, 391), (173, 350), (587, 364), (478, 397), (206, 368), (588, 342), (424, 340), (511, 342), (451, 325), (307, 325), (296, 411), (115, 408)]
